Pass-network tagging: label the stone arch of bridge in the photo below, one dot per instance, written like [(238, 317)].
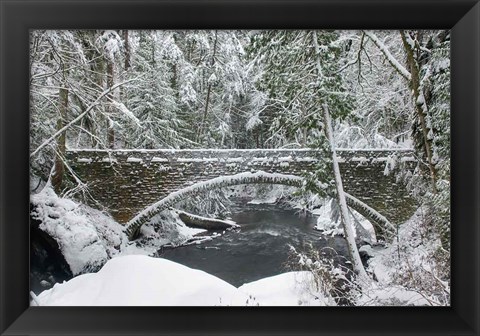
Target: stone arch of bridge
[(259, 177)]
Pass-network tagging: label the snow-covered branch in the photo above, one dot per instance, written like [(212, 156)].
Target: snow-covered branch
[(219, 182), (370, 213), (390, 58), (80, 116)]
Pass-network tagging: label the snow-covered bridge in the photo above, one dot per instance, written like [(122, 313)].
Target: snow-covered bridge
[(128, 181)]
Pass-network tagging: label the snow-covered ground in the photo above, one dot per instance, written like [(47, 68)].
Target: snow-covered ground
[(145, 281), (406, 270), (286, 289)]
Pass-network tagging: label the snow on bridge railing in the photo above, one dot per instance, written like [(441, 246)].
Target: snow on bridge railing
[(228, 150), (230, 155)]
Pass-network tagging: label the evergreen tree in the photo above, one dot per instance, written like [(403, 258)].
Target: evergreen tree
[(301, 76)]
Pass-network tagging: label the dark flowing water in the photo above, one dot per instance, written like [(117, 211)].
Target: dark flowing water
[(259, 249)]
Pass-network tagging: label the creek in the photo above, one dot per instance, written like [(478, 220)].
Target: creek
[(260, 248)]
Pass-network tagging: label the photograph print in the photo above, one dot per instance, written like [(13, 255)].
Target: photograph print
[(240, 168)]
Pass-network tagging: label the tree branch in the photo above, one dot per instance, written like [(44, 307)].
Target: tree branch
[(390, 58), (89, 108)]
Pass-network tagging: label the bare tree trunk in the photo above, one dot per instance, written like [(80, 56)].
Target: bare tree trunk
[(413, 77), (59, 170), (110, 129), (99, 69), (420, 106), (205, 112), (345, 217), (346, 220), (127, 49), (153, 39), (127, 63), (209, 89)]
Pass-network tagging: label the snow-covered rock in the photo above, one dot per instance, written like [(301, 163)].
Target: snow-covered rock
[(367, 250), (87, 238), (363, 229), (165, 228)]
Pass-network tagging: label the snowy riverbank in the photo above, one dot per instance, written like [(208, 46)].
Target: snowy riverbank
[(89, 239), (138, 280), (145, 281)]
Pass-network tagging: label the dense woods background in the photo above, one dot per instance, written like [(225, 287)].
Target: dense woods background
[(240, 89), (246, 89)]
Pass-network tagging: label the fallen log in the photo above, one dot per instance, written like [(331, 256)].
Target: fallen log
[(206, 223)]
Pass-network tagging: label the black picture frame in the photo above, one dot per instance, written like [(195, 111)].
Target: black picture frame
[(17, 17)]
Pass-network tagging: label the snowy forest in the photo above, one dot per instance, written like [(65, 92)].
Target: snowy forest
[(328, 91)]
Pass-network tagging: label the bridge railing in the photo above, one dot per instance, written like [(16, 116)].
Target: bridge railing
[(147, 156)]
